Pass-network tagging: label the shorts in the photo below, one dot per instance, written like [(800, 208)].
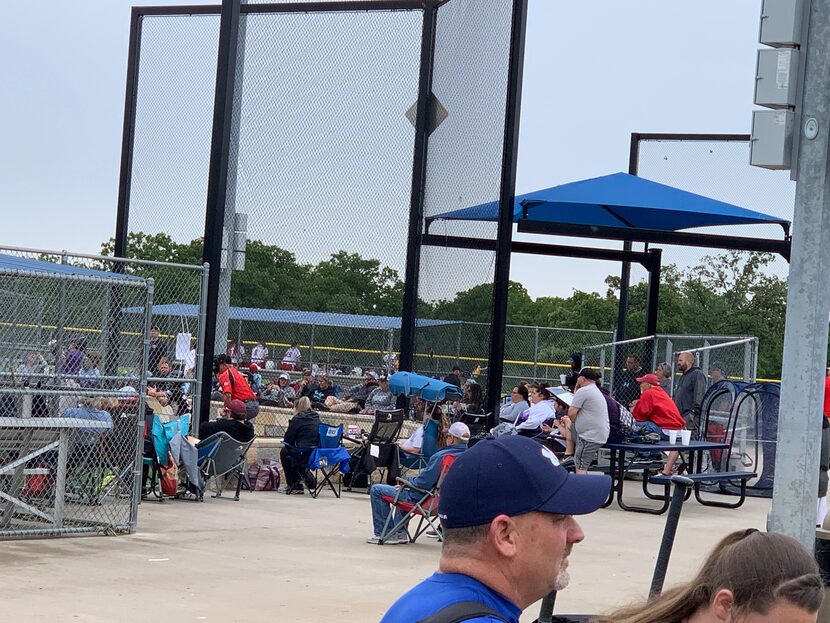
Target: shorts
[(585, 453)]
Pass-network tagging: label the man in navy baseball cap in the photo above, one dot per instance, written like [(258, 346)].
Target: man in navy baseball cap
[(506, 509)]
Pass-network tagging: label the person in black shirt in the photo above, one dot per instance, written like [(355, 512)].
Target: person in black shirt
[(575, 361), (302, 433), (235, 424), (155, 351), (626, 387), (455, 377)]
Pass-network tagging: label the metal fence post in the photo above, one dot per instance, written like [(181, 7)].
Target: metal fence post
[(200, 350), (704, 362), (536, 354), (142, 400), (311, 347), (748, 376)]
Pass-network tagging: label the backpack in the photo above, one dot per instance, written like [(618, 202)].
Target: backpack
[(462, 611), (626, 420), (264, 476)]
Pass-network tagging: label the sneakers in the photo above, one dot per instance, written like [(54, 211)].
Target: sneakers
[(567, 461), (432, 534), (392, 540), (295, 490)]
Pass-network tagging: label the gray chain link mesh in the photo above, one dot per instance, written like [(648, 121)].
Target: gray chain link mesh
[(71, 372)]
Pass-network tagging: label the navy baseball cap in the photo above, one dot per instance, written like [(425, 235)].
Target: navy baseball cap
[(511, 476)]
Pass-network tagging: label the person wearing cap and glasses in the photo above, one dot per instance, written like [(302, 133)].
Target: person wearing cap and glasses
[(458, 436), (279, 393), (356, 397), (507, 510), (380, 398)]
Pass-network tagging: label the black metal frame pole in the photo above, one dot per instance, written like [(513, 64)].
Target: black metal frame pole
[(681, 485), (653, 301), (128, 137), (218, 180), (409, 313), (625, 273), (507, 196)]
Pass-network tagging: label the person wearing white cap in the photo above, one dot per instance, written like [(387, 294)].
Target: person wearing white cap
[(279, 392), (458, 436), (355, 398)]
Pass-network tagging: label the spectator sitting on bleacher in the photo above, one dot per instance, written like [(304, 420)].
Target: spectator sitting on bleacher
[(458, 437), (356, 397), (89, 408), (471, 402), (586, 426), (302, 432), (255, 378), (518, 403), (90, 375), (279, 393), (234, 423), (655, 411), (323, 390), (541, 409), (380, 397), (306, 384)]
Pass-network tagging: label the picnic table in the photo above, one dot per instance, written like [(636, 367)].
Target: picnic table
[(618, 469), (27, 439)]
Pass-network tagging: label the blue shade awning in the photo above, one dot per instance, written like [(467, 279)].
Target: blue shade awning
[(411, 384), (619, 200), (18, 263), (321, 319)]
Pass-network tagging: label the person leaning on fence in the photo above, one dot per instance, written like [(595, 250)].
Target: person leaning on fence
[(458, 437), (302, 432), (234, 422), (750, 576), (234, 385), (689, 390), (654, 412), (356, 397), (380, 398), (506, 510)]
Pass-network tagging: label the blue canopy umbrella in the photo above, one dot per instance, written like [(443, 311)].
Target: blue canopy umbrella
[(619, 200), (411, 384)]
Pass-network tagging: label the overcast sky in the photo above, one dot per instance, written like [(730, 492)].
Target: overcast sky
[(595, 71)]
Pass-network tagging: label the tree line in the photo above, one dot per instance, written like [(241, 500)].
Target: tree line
[(726, 294)]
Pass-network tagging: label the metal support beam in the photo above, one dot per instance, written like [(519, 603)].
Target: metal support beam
[(501, 277), (808, 302), (653, 300), (688, 239), (218, 180), (416, 205), (625, 272)]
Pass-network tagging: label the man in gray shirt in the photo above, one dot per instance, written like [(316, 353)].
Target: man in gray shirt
[(587, 420), (689, 390)]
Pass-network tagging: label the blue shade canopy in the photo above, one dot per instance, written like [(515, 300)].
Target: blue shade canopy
[(17, 263), (619, 200), (411, 384), (320, 319)]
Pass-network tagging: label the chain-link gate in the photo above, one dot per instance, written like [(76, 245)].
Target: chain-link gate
[(72, 383)]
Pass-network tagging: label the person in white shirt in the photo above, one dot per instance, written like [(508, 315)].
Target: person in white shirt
[(541, 409), (517, 405), (259, 354), (292, 357)]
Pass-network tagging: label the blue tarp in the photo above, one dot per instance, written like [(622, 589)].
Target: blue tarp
[(619, 200), (320, 319), (14, 262), (411, 384)]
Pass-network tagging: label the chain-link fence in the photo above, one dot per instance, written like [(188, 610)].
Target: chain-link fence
[(735, 357), (73, 373)]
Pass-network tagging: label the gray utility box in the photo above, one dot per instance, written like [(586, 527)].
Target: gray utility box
[(781, 23), (772, 139), (776, 77)]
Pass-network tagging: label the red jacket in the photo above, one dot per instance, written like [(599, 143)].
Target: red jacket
[(827, 397), (237, 386), (657, 406)]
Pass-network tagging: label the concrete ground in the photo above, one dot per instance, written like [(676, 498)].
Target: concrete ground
[(277, 558)]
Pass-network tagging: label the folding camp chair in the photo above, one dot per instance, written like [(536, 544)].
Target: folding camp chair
[(385, 432), (474, 421), (423, 503), (329, 458), (429, 446), (221, 455)]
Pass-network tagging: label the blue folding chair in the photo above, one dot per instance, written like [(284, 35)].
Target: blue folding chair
[(329, 458), (429, 446)]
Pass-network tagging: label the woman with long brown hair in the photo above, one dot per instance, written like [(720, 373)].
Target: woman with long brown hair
[(750, 577)]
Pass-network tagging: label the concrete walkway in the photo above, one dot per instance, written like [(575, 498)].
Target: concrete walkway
[(277, 558)]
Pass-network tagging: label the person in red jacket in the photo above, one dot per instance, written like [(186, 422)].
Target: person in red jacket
[(234, 386), (657, 411)]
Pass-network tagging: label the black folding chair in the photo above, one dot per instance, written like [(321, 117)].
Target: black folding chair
[(474, 421), (384, 436)]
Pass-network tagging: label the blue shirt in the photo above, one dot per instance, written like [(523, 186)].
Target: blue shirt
[(428, 477), (443, 589)]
